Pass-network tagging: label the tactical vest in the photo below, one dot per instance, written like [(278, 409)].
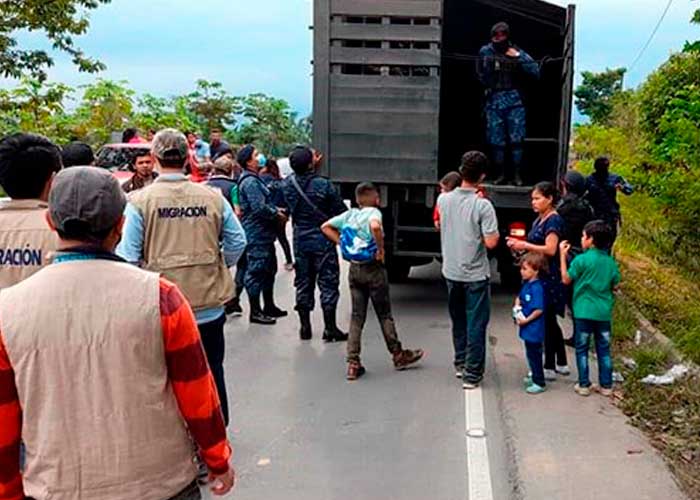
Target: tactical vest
[(26, 242), (182, 223), (100, 419)]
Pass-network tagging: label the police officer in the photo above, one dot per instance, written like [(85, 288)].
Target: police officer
[(28, 164), (500, 67), (311, 201), (260, 218), (178, 228)]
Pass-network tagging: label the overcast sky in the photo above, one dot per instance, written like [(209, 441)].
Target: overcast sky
[(163, 46)]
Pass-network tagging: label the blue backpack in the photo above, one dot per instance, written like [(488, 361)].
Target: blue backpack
[(355, 249)]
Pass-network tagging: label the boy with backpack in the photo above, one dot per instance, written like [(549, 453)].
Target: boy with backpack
[(360, 234), (594, 275)]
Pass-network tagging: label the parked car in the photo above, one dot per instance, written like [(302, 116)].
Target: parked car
[(117, 158)]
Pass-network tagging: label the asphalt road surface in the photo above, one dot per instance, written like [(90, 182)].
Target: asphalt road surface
[(302, 432)]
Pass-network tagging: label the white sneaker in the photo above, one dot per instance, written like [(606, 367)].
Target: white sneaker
[(582, 391), (550, 375), (563, 370), (459, 371)]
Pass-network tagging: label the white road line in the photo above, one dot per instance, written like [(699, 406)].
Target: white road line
[(478, 466)]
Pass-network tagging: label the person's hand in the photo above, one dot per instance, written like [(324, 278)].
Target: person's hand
[(220, 485), (481, 192), (522, 321), (282, 216), (513, 52), (517, 245), (618, 187), (564, 247), (381, 255)]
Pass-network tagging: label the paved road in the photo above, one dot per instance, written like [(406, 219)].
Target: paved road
[(301, 431)]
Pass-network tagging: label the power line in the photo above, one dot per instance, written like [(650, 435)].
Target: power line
[(651, 37)]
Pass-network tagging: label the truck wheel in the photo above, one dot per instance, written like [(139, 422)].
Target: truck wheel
[(398, 270)]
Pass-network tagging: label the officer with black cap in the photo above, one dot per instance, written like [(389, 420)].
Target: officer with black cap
[(312, 200), (260, 218)]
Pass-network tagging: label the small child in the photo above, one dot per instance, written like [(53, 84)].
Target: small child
[(595, 276), (448, 184), (360, 235), (529, 314)]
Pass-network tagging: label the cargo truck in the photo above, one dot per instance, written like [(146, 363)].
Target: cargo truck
[(397, 101)]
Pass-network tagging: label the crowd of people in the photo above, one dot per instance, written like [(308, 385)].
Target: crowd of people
[(119, 381)]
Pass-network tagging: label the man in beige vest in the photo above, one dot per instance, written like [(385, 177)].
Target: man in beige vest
[(27, 166), (107, 393), (188, 233)]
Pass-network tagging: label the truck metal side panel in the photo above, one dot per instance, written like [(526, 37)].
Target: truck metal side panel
[(381, 62), (567, 90)]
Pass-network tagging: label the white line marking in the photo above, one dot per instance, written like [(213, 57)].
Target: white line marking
[(478, 466)]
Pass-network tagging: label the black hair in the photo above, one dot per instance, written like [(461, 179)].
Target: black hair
[(27, 162), (474, 165), (451, 181), (365, 189), (301, 159), (601, 233), (77, 154), (602, 168), (548, 190), (129, 134)]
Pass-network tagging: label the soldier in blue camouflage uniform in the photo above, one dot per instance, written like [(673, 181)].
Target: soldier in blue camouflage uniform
[(501, 65), (260, 218), (316, 257)]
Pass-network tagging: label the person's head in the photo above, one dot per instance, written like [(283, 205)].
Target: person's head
[(215, 136), (367, 195), (597, 234), (151, 134), (169, 149), (28, 163), (500, 36), (129, 134), (273, 168), (602, 166), (533, 265), (86, 206), (143, 164), (450, 182), (224, 166), (225, 152), (544, 197), (191, 137), (248, 158), (574, 182), (475, 164), (77, 154), (301, 159)]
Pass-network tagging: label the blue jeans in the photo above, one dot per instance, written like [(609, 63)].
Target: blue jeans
[(600, 331), (534, 351), (470, 310)]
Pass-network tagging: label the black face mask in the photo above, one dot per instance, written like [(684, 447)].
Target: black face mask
[(502, 47)]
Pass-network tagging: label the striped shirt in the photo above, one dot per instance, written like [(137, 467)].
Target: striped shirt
[(188, 373)]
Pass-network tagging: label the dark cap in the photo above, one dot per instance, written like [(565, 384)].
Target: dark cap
[(500, 28), (575, 182), (300, 159), (170, 145), (245, 154), (86, 199)]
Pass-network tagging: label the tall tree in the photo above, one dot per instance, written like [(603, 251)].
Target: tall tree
[(106, 107), (214, 107), (693, 46), (270, 124), (59, 20), (594, 97)]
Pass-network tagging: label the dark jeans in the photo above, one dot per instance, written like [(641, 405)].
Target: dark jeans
[(370, 282), (284, 243), (554, 347), (241, 268), (212, 334), (600, 331), (533, 351), (191, 492), (470, 310)]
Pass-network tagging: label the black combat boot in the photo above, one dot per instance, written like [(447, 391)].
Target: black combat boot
[(517, 179), (271, 309), (332, 333), (305, 331), (256, 314)]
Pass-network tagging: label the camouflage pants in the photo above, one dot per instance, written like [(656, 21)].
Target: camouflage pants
[(317, 267), (506, 125), (261, 269)]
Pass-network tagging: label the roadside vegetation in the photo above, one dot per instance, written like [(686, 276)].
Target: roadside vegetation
[(652, 135)]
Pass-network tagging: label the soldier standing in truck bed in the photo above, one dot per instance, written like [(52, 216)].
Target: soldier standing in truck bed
[(500, 67)]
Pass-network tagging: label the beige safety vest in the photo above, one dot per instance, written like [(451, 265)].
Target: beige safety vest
[(100, 419), (26, 242), (182, 223)]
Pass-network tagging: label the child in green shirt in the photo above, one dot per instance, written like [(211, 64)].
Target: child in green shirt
[(595, 276)]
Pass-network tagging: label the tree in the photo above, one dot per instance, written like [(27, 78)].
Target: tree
[(212, 106), (106, 107), (270, 124), (594, 97), (694, 46), (60, 20)]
